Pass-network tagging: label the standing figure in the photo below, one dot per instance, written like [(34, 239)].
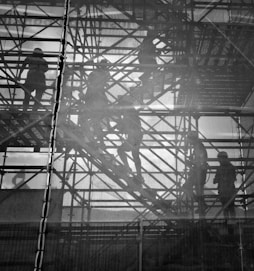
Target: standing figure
[(225, 177), (147, 56), (35, 80), (96, 86), (130, 125), (198, 170), (96, 103)]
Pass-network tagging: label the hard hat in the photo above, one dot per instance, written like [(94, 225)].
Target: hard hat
[(104, 61), (101, 64), (38, 51), (222, 154), (125, 100), (192, 135)]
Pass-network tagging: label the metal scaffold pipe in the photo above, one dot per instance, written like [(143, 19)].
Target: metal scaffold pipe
[(52, 143)]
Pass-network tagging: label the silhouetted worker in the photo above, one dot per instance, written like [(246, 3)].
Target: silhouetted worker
[(198, 170), (130, 126), (96, 103), (96, 85), (35, 80), (225, 177), (147, 56)]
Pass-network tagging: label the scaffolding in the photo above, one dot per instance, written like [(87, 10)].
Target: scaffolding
[(203, 72), (202, 81)]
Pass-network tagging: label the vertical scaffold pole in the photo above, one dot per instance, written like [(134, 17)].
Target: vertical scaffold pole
[(241, 246), (140, 254), (50, 167)]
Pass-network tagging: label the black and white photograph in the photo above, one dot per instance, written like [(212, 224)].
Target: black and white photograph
[(127, 135)]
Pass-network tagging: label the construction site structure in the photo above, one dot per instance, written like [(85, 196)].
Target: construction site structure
[(54, 171)]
